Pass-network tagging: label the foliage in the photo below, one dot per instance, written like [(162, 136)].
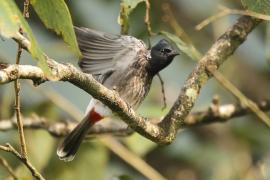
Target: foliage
[(11, 20), (259, 6), (183, 46), (126, 7), (55, 15)]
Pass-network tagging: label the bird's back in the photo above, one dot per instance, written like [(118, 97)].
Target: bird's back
[(118, 62)]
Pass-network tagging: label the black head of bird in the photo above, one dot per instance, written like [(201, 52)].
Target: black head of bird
[(162, 55)]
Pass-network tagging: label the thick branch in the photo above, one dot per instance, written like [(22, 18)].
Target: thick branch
[(165, 131), (216, 55), (67, 72)]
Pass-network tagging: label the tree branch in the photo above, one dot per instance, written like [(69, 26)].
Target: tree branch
[(34, 172), (216, 55), (215, 113), (61, 128), (67, 72), (165, 131), (8, 168)]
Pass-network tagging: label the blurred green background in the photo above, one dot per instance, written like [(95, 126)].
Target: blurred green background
[(238, 149)]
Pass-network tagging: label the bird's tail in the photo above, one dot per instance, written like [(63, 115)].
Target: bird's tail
[(67, 149)]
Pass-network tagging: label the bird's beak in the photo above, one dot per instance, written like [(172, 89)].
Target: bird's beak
[(174, 53)]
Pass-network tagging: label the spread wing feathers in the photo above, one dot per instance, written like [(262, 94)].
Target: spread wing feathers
[(104, 53)]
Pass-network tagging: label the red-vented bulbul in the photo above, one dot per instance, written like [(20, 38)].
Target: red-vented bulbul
[(121, 63)]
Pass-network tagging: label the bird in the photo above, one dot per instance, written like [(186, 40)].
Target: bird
[(121, 63)]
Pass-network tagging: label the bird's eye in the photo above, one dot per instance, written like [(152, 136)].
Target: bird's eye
[(166, 50)]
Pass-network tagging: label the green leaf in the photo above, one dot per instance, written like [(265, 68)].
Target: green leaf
[(55, 15), (11, 20), (185, 47), (126, 7), (263, 7), (259, 6)]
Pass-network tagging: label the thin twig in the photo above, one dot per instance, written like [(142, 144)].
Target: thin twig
[(150, 33), (23, 156), (263, 170), (25, 161), (17, 107), (8, 168), (211, 19), (238, 94), (131, 158), (226, 11), (162, 91), (147, 18), (59, 101), (17, 88), (26, 8), (147, 21), (169, 18)]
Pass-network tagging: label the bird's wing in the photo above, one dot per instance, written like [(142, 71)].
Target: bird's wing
[(105, 53)]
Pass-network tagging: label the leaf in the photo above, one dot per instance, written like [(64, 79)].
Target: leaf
[(185, 47), (259, 6), (11, 20), (126, 7), (263, 7), (55, 15)]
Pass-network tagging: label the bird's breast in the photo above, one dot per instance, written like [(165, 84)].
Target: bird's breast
[(134, 89), (132, 85)]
